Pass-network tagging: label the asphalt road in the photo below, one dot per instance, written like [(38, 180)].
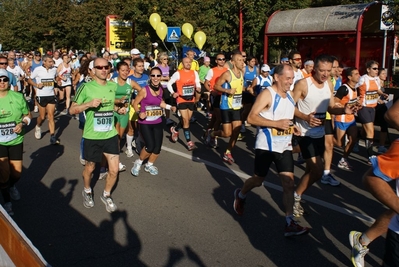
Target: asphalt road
[(184, 216)]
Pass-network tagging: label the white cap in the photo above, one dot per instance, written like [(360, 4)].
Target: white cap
[(3, 72), (135, 51), (91, 64), (155, 44), (265, 67), (73, 56)]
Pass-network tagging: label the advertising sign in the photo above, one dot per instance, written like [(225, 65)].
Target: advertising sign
[(119, 35)]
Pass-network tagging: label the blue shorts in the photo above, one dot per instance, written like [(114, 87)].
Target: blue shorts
[(377, 171), (343, 126)]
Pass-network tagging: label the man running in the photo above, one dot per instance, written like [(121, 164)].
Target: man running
[(44, 78), (313, 97), (187, 83), (97, 99), (230, 84), (273, 112)]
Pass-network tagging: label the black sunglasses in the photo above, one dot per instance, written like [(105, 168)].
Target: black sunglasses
[(4, 79), (3, 63), (155, 75), (102, 67), (221, 59)]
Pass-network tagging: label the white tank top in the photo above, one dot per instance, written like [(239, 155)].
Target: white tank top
[(272, 139), (65, 73), (317, 100)]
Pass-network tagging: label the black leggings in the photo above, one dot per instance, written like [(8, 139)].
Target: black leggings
[(153, 137)]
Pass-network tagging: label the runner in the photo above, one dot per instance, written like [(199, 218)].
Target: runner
[(64, 71), (14, 116), (43, 78), (262, 81), (32, 64), (97, 99), (18, 74), (150, 122), (187, 82), (231, 84), (313, 97), (167, 97), (273, 113), (307, 68), (376, 181)]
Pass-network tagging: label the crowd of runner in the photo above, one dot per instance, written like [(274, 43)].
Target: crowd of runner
[(299, 106)]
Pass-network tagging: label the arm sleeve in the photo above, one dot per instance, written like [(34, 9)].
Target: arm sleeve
[(172, 80), (197, 80), (341, 92), (209, 75)]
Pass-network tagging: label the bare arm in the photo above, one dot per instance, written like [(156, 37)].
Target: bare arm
[(225, 77)]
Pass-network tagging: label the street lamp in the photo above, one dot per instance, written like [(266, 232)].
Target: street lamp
[(240, 26)]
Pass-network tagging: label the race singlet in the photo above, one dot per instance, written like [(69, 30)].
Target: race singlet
[(153, 113), (236, 103), (7, 132), (103, 121), (371, 97)]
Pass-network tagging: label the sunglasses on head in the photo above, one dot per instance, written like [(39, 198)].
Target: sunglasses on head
[(155, 75), (4, 79), (102, 67)]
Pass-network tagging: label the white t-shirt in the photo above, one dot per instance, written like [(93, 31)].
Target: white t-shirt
[(47, 78), (57, 62), (17, 72), (298, 75)]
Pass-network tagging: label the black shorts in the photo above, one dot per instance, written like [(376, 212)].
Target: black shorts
[(391, 257), (247, 98), (63, 87), (215, 101), (230, 115), (328, 127), (366, 115), (93, 149), (43, 101), (186, 105), (12, 152), (263, 159), (311, 147)]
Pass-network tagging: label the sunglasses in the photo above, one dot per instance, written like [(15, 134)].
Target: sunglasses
[(156, 75), (244, 55), (102, 67), (221, 59), (297, 59), (3, 63), (164, 59), (374, 68), (37, 55), (4, 79)]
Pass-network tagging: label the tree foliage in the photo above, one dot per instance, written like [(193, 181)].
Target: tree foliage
[(80, 24)]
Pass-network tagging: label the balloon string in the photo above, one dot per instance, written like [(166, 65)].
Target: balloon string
[(177, 56)]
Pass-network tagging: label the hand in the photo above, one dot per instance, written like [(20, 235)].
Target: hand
[(122, 111), (18, 128), (232, 91), (40, 85), (283, 124), (198, 90), (297, 132), (142, 115), (251, 91), (121, 100), (173, 109), (95, 102), (350, 109), (313, 121), (175, 95)]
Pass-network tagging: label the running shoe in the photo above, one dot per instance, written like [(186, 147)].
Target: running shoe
[(36, 109), (129, 152), (136, 168), (298, 210), (294, 229), (64, 112), (109, 203), (209, 116), (243, 129), (227, 157), (190, 146), (88, 201), (343, 164), (356, 147), (122, 167), (103, 175), (174, 134), (38, 133), (239, 203), (134, 143), (54, 140), (358, 250), (151, 169), (382, 149), (329, 179), (14, 193), (8, 207)]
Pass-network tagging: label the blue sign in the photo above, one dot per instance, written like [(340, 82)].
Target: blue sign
[(174, 34)]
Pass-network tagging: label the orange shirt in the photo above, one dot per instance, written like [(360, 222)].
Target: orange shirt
[(186, 86), (387, 161)]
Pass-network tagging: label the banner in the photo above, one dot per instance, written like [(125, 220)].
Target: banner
[(119, 35), (386, 23)]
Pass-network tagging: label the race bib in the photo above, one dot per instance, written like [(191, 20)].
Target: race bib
[(7, 132), (48, 82), (188, 90), (103, 121), (352, 102), (277, 132), (66, 75), (236, 102), (153, 113), (371, 97)]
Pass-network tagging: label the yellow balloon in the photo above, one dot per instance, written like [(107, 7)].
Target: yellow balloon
[(162, 30), (200, 39), (187, 30), (155, 19)]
